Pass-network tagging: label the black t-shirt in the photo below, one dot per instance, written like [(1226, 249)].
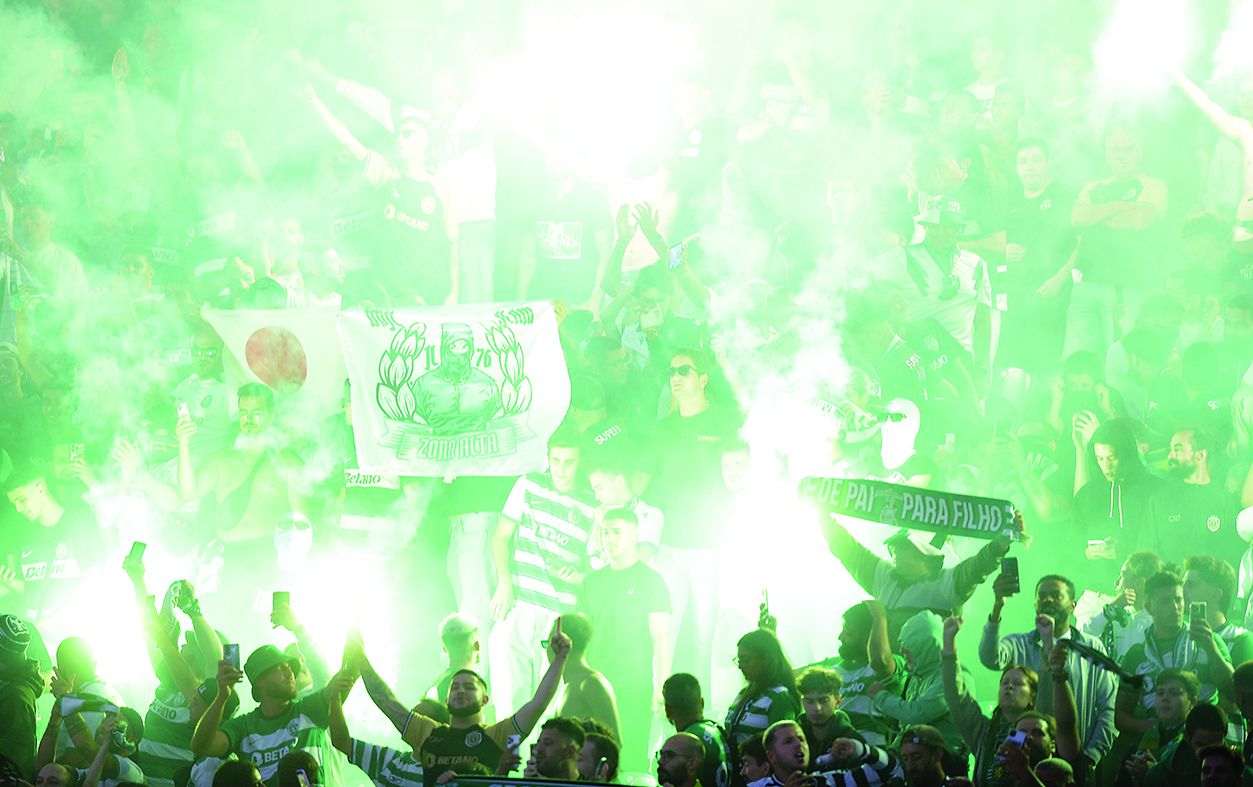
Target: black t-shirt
[(463, 750), (1189, 519), (1041, 225), (563, 234), (52, 560), (415, 250), (688, 486), (618, 602)]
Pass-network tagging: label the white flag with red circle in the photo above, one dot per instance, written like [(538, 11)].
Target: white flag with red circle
[(294, 351)]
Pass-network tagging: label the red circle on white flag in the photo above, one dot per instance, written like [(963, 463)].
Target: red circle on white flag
[(277, 358)]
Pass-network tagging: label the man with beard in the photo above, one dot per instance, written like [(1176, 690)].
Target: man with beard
[(788, 754), (555, 754), (679, 761), (858, 669), (455, 397), (1094, 687), (1193, 513), (279, 724), (465, 742), (205, 395), (922, 755), (241, 490)]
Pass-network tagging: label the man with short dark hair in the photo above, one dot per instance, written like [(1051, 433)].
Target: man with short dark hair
[(1180, 765), (1193, 513), (465, 742), (1039, 245), (598, 759), (1220, 766), (685, 709), (628, 605), (55, 549), (823, 722), (679, 761), (1177, 692), (1168, 641), (555, 754), (1094, 686), (1211, 581), (788, 755), (278, 725), (540, 552)]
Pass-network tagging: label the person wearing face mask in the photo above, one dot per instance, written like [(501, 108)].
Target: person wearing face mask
[(984, 734), (922, 701), (1094, 687)]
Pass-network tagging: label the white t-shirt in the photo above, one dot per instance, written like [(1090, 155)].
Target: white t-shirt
[(57, 268), (929, 292)]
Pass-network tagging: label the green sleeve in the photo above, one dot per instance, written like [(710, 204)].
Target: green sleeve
[(234, 729), (1242, 649), (783, 708)]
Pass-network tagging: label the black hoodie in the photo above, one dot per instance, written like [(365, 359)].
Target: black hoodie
[(20, 685)]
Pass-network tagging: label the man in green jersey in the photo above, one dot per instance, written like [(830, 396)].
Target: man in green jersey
[(1171, 641), (685, 709), (465, 743), (280, 724)]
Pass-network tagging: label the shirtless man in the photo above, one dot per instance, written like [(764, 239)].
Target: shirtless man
[(242, 492), (585, 694), (1239, 131)]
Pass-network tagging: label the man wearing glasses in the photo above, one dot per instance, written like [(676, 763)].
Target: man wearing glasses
[(204, 393), (689, 490)]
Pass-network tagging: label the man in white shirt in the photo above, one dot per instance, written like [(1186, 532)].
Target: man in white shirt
[(54, 267), (944, 282)]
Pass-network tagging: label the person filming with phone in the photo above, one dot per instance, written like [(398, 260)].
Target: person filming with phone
[(281, 723), (1095, 688), (1014, 721), (1175, 641)]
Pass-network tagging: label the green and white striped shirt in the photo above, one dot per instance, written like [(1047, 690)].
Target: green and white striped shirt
[(751, 716), (387, 767), (166, 745), (553, 531)]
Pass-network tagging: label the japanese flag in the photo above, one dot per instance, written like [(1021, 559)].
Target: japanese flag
[(294, 352)]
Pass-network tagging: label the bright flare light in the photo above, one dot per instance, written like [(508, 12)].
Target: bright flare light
[(590, 88), (1142, 41), (1234, 54)]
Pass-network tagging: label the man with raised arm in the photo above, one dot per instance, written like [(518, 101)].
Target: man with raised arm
[(466, 740), (279, 724), (1094, 687)]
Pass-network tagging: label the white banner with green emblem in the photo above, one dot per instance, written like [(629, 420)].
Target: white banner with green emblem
[(455, 390)]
